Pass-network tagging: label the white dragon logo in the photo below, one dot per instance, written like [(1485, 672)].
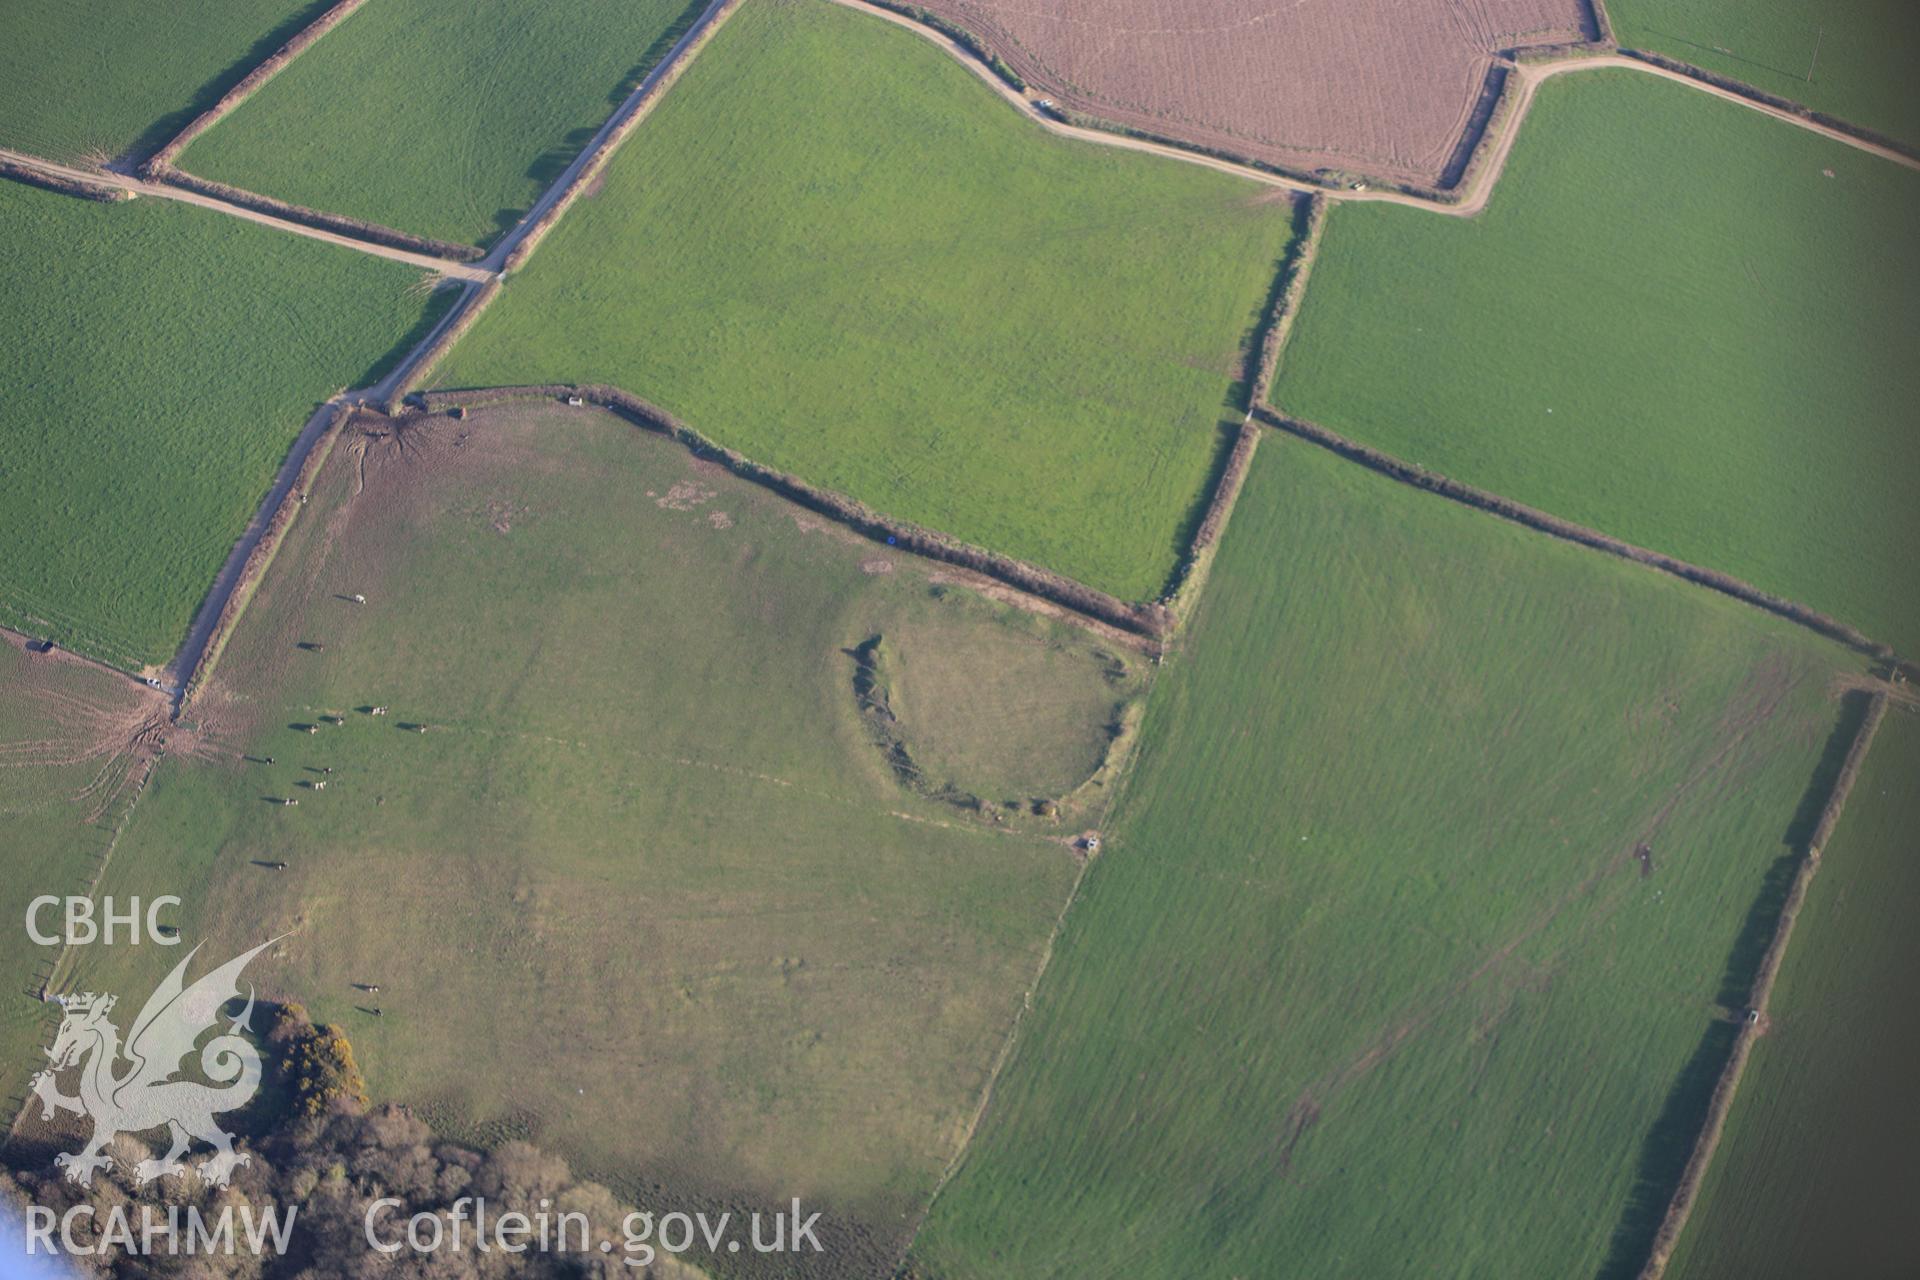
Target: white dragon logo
[(144, 1097)]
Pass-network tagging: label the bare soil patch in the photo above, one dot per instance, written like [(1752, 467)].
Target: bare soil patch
[(72, 733), (1371, 87)]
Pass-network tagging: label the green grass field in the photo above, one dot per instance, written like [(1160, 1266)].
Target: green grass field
[(1369, 979), (1851, 59), (1815, 1172), (160, 360), (832, 248), (74, 744), (646, 891), (1679, 321), (969, 720), (126, 75), (479, 108)]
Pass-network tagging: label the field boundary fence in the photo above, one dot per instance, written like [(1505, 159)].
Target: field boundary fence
[(1752, 1026), (26, 613), (1466, 182), (135, 786), (1496, 93), (508, 252), (1190, 577), (1150, 621), (1449, 188), (1331, 181), (53, 971), (1000, 1061), (1232, 476), (1480, 147), (1544, 522), (420, 365), (1800, 110), (11, 633)]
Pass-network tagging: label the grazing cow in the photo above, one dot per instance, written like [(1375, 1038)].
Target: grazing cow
[(320, 785), (289, 800), (378, 711)]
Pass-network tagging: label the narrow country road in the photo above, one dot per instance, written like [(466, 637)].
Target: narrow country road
[(161, 191)]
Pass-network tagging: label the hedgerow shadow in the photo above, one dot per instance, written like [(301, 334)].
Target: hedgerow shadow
[(1225, 435), (1255, 355), (157, 134), (1670, 1142), (445, 295), (1729, 54), (551, 163)]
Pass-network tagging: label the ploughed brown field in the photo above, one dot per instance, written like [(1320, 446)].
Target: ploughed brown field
[(1385, 88)]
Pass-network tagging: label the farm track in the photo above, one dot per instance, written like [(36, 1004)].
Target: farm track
[(1476, 188), (23, 639), (551, 203), (142, 187), (1528, 80)]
